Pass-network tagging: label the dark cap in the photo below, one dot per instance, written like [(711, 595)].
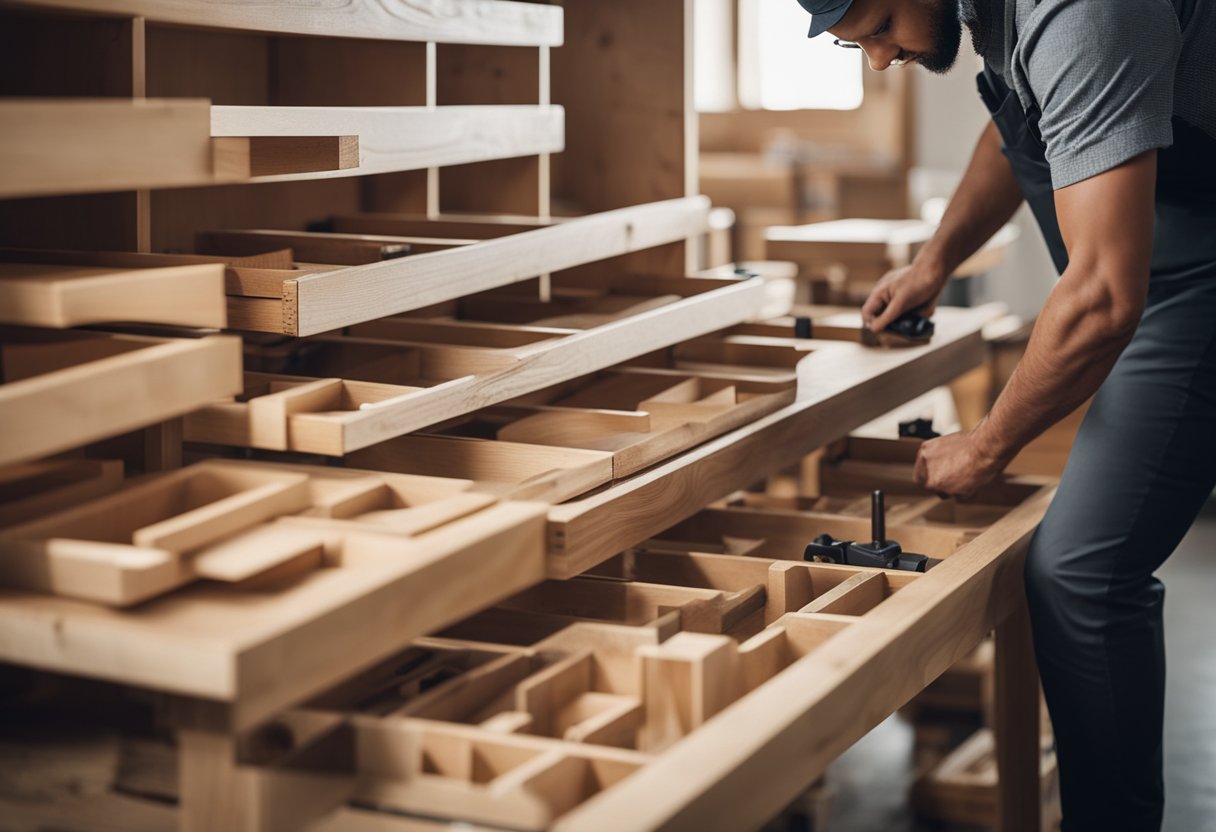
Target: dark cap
[(824, 13)]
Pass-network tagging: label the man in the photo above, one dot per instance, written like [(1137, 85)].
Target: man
[(1104, 118)]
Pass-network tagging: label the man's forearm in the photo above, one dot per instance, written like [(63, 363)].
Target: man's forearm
[(987, 196)]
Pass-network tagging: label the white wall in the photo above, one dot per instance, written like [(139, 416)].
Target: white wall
[(949, 118)]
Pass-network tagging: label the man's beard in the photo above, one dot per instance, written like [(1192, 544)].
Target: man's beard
[(977, 17), (946, 32)]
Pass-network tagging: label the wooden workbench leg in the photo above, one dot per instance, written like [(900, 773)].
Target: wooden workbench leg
[(1016, 724), (214, 792)]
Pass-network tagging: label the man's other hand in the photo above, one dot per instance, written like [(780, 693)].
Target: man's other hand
[(907, 289), (956, 465)]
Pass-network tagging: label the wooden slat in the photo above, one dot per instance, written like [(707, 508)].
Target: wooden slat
[(404, 138), (244, 157), (332, 300), (841, 386), (67, 296), (146, 380), (470, 21)]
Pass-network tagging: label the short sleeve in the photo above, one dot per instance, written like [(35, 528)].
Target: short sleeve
[(1102, 76)]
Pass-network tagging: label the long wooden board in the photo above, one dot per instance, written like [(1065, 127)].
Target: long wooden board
[(470, 21), (331, 300), (405, 138)]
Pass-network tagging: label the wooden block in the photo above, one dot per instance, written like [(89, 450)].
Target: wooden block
[(62, 146), (257, 551), (244, 157), (685, 681), (67, 296)]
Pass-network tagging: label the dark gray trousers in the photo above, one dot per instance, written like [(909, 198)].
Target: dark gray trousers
[(1143, 464)]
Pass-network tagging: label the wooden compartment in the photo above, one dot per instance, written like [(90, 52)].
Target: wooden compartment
[(66, 388), (397, 375), (283, 612), (33, 489)]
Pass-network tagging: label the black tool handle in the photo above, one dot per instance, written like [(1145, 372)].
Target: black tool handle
[(878, 518)]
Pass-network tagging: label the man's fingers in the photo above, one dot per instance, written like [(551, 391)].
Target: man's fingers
[(921, 469), (895, 307), (875, 303)]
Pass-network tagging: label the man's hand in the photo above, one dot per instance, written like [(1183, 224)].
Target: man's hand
[(902, 290), (956, 465)]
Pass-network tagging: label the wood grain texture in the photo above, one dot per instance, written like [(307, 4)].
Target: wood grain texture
[(471, 21), (404, 138)]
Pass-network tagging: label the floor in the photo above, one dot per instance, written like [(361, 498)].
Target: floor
[(872, 779)]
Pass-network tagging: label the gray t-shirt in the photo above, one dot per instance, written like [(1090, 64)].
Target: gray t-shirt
[(1108, 75)]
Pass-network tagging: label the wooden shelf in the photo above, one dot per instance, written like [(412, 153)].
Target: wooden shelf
[(323, 300), (405, 138), (471, 21), (62, 146), (398, 375), (389, 546), (67, 388)]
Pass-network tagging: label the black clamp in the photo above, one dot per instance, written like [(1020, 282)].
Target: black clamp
[(917, 429), (879, 553)]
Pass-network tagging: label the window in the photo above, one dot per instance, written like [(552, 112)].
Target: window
[(779, 68)]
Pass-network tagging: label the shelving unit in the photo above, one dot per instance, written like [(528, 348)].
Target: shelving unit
[(366, 407)]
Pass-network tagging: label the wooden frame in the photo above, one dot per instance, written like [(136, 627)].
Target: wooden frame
[(64, 389), (398, 375), (840, 386), (390, 545)]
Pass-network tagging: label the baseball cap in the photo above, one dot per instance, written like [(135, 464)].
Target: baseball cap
[(824, 13)]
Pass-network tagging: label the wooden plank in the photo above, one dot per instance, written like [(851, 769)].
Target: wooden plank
[(257, 551), (763, 749), (62, 146), (312, 247), (1016, 724), (349, 296), (155, 380), (245, 157), (471, 21), (840, 386), (67, 296), (400, 138)]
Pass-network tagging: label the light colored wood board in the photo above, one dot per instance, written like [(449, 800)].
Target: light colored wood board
[(263, 651), (254, 552), (1017, 725), (473, 21), (245, 157), (73, 146), (70, 407), (839, 388), (404, 138), (350, 296), (763, 749), (99, 572), (527, 472), (67, 296), (465, 226), (34, 489)]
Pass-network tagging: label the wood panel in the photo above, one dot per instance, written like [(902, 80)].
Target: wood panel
[(474, 21)]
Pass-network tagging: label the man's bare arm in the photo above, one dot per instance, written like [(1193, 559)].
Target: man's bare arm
[(986, 198), (1091, 315)]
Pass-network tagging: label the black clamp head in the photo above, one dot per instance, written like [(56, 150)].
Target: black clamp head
[(913, 326), (918, 429)]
